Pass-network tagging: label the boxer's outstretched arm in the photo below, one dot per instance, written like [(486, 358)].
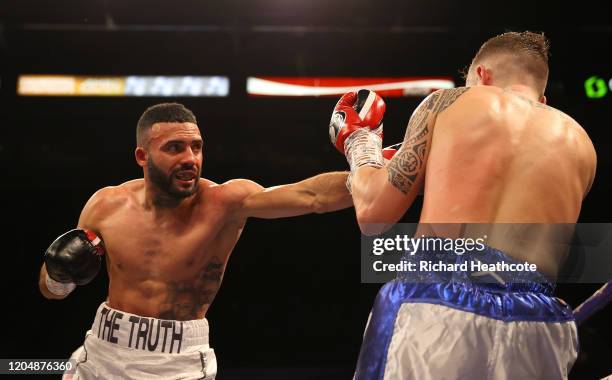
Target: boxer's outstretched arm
[(382, 196), (322, 193)]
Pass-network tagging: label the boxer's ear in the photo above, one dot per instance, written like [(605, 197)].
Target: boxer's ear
[(141, 156), (483, 75)]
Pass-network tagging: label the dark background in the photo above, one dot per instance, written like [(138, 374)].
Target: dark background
[(291, 304)]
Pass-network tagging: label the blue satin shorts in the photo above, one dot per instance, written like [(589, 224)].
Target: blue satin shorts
[(466, 325)]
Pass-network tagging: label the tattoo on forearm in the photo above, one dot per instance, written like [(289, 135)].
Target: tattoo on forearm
[(408, 161), (186, 299)]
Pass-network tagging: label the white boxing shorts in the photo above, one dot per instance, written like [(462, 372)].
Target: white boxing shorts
[(425, 327), (121, 345)]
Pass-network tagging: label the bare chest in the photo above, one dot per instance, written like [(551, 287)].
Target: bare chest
[(141, 247)]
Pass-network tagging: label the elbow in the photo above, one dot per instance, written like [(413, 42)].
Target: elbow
[(367, 230), (367, 214), (374, 229), (372, 223), (365, 223)]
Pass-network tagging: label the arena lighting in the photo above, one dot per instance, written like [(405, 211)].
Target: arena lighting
[(159, 86), (333, 86), (595, 87)]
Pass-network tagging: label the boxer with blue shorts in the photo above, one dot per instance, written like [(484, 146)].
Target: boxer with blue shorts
[(492, 153)]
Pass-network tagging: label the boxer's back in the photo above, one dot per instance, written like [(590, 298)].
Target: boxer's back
[(497, 157)]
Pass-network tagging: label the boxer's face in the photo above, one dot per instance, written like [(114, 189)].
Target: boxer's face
[(174, 158)]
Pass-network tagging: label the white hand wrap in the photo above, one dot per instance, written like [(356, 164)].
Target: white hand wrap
[(59, 288), (362, 148)]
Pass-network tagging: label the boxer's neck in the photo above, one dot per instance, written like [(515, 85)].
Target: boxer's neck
[(524, 91), (159, 201)]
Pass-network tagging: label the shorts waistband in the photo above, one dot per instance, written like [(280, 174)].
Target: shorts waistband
[(149, 334), (507, 306), (468, 269)]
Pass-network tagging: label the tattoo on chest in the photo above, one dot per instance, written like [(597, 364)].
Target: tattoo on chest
[(185, 299), (410, 159)]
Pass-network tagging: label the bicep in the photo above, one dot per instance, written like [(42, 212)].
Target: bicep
[(253, 200)]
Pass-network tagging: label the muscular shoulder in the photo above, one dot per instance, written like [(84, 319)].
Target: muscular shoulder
[(109, 197), (496, 98), (231, 195), (477, 98), (236, 190), (440, 100), (106, 201)]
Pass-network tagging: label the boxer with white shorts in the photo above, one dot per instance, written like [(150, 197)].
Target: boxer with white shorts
[(491, 152), (128, 346), (166, 240)]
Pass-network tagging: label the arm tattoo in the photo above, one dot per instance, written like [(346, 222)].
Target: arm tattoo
[(185, 299), (407, 163)]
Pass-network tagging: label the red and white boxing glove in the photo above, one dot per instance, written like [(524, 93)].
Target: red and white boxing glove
[(363, 109), (356, 130)]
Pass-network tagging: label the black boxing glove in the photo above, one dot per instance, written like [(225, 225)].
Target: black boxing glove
[(72, 259)]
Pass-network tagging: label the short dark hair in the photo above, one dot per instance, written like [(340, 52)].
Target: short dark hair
[(161, 113), (530, 49)]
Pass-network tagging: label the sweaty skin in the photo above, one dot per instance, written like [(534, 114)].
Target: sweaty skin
[(485, 156), (166, 259)]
